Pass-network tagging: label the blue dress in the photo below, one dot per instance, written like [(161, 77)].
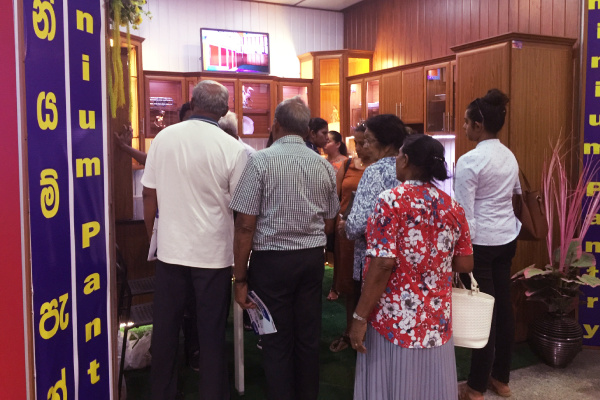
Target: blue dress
[(378, 177)]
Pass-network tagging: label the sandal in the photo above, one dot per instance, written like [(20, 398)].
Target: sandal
[(333, 295), (340, 344)]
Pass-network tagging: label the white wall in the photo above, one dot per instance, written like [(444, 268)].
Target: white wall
[(172, 36)]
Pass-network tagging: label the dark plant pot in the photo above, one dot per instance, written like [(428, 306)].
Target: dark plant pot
[(556, 339)]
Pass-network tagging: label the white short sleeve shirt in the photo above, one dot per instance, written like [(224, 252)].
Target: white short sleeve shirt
[(194, 167), (485, 180)]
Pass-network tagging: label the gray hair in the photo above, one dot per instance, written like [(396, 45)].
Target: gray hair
[(293, 116), (211, 97), (229, 123)]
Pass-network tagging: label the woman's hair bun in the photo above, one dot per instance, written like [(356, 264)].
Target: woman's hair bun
[(496, 98)]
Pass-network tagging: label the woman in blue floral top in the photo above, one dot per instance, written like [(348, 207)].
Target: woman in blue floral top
[(416, 237), (384, 135)]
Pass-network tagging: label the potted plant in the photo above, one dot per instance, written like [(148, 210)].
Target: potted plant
[(557, 337)]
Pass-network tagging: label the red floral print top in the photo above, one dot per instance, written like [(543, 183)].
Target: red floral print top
[(423, 229)]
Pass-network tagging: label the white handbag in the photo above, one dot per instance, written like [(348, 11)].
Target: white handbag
[(472, 312)]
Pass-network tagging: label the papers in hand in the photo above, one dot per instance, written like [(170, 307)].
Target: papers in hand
[(260, 317), (153, 248)]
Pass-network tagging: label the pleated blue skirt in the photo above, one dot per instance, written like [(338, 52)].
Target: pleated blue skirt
[(391, 372)]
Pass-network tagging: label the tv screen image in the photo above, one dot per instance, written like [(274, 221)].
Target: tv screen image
[(234, 51)]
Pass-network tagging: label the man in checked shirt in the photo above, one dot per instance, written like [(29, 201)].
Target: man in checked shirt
[(286, 202)]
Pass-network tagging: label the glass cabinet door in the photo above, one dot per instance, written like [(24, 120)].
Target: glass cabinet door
[(256, 108), (329, 96), (289, 91), (436, 100), (372, 98), (230, 85), (165, 98), (356, 112)]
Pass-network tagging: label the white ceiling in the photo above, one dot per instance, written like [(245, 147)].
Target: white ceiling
[(334, 5)]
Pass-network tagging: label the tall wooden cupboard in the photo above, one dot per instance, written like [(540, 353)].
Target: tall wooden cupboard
[(536, 72), (329, 70)]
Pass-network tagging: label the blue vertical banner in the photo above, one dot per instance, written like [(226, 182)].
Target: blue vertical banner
[(49, 202), (589, 309), (88, 170), (65, 90)]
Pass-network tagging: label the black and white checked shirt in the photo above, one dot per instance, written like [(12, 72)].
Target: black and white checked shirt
[(291, 190)]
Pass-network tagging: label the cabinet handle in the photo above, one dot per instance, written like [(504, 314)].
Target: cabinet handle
[(400, 116), (444, 122), (396, 110)]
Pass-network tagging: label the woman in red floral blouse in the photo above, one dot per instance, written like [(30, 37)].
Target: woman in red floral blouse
[(402, 325)]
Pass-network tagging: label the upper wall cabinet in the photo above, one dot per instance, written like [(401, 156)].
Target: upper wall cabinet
[(439, 84), (329, 70), (164, 97), (411, 107), (401, 94), (252, 97), (364, 98)]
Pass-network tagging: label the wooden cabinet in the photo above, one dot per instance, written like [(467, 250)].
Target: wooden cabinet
[(364, 99), (411, 106), (401, 93), (256, 105), (536, 72), (438, 98), (164, 97), (288, 88), (329, 70), (391, 92)]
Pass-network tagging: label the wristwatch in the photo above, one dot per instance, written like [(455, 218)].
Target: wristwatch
[(237, 280)]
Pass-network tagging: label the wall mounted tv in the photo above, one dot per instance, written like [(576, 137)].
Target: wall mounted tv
[(235, 51)]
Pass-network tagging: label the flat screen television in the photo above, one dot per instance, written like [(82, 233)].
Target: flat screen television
[(235, 51)]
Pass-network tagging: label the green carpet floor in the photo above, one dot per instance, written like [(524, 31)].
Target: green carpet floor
[(337, 369)]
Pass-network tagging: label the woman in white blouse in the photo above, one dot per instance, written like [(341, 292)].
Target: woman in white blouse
[(485, 180)]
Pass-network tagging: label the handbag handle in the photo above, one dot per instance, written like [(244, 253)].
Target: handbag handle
[(525, 180), (474, 284)]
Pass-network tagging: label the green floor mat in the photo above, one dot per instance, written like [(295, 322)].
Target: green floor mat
[(337, 369)]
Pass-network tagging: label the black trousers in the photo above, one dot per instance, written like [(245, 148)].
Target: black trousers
[(213, 296), (492, 272), (290, 284)]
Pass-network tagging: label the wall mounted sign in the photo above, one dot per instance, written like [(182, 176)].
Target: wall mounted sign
[(65, 84)]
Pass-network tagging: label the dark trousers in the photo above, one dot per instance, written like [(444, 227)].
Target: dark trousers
[(290, 284), (213, 296), (492, 272)]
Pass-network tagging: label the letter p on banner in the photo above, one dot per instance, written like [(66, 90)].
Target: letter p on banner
[(89, 230)]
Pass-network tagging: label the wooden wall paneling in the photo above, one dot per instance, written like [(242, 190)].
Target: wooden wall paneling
[(513, 15), (412, 96), (572, 18), (503, 17), (477, 72), (475, 21), (483, 18), (535, 23), (408, 31), (492, 18), (546, 17), (524, 16), (558, 17), (450, 29)]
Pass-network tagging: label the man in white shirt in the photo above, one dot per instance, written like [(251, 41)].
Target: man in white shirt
[(191, 172)]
